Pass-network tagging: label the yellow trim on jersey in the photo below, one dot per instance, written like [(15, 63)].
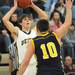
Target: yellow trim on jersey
[(32, 41), (43, 34), (57, 38)]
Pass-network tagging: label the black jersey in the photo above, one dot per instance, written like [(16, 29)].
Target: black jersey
[(47, 50)]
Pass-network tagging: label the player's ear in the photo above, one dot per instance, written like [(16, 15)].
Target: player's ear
[(37, 29)]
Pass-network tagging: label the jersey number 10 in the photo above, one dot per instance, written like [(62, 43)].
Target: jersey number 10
[(51, 49)]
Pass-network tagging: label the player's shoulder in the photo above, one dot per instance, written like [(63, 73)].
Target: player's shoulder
[(33, 30), (35, 37), (19, 31), (17, 28), (41, 36)]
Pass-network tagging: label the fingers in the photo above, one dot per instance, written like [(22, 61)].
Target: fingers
[(69, 3), (31, 4), (15, 3)]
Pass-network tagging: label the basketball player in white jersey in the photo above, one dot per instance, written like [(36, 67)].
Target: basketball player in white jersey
[(23, 36)]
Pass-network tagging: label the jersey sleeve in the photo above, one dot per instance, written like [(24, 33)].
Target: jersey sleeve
[(32, 42), (57, 38)]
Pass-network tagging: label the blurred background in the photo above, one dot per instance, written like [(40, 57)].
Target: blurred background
[(56, 12)]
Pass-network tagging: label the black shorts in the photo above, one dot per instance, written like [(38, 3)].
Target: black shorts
[(49, 72), (14, 72)]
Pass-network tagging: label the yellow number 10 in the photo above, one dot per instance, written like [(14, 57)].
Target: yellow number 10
[(51, 48)]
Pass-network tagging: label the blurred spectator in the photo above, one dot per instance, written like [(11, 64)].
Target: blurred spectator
[(40, 4), (14, 17), (68, 64), (11, 2), (69, 42), (71, 34), (73, 12), (60, 6), (51, 6), (14, 20), (68, 68), (55, 22), (48, 4), (4, 6), (2, 43), (6, 39), (13, 56), (19, 11), (0, 57), (1, 15), (73, 2), (3, 2)]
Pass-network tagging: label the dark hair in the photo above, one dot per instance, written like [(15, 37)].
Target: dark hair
[(57, 5), (43, 25), (13, 14), (55, 11), (59, 1), (24, 16)]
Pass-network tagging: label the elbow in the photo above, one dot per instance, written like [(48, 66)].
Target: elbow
[(4, 20)]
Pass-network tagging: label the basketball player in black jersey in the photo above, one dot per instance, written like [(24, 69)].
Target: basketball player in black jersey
[(46, 46)]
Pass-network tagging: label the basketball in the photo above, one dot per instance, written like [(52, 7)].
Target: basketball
[(24, 3)]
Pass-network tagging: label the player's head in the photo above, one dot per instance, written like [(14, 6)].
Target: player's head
[(42, 25), (14, 17), (61, 1), (25, 21), (55, 15), (68, 61)]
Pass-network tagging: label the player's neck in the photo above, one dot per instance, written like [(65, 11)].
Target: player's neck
[(42, 33), (56, 21), (26, 30)]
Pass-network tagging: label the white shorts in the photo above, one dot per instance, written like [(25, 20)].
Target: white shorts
[(31, 69)]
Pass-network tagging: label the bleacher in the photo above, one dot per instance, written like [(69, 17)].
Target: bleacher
[(4, 64)]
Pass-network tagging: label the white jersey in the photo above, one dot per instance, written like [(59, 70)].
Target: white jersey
[(22, 41)]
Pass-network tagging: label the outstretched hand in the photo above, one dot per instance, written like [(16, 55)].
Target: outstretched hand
[(15, 3), (31, 4), (69, 3)]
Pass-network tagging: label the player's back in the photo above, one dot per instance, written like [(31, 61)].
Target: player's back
[(47, 50)]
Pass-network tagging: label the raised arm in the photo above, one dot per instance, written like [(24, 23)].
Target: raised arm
[(28, 55), (68, 20), (6, 18), (42, 14)]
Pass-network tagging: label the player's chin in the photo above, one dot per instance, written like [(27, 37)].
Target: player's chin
[(28, 24)]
